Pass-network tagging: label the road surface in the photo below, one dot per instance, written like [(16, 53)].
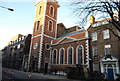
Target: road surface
[(14, 75)]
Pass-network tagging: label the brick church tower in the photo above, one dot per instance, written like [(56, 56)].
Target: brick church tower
[(45, 29)]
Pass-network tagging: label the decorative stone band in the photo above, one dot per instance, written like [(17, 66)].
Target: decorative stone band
[(41, 41), (87, 53)]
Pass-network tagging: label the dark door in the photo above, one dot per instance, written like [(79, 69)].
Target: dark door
[(110, 73), (46, 67), (34, 66)]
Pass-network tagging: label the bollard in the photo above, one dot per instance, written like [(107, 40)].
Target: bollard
[(11, 73), (29, 75)]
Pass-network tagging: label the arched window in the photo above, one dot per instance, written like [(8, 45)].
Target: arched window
[(70, 55), (79, 55), (50, 26), (51, 11), (54, 57), (61, 56), (40, 9), (37, 25)]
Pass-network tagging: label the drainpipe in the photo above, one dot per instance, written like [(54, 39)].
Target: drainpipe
[(23, 62)]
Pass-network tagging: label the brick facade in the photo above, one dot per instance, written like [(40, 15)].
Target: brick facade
[(73, 39), (99, 63), (15, 55), (43, 32), (55, 47)]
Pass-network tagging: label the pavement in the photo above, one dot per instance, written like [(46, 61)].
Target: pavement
[(50, 76), (37, 75)]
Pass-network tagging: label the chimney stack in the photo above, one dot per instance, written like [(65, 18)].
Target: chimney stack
[(92, 19)]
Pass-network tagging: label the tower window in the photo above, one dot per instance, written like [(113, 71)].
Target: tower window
[(38, 25), (50, 26), (51, 11), (40, 9)]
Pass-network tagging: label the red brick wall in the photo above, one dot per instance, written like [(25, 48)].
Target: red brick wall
[(61, 29), (48, 9), (35, 51), (101, 42), (65, 46), (46, 30)]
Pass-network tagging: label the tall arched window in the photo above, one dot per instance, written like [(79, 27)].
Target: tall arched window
[(61, 56), (50, 26), (54, 57), (70, 55), (79, 55), (40, 9), (51, 11), (38, 25)]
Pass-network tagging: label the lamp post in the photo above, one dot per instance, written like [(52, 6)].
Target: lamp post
[(10, 9)]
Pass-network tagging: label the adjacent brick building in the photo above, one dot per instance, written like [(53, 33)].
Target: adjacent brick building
[(55, 47), (105, 47), (15, 55)]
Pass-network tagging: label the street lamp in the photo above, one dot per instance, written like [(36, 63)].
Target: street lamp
[(7, 8)]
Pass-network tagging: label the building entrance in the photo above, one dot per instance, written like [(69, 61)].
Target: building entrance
[(110, 67), (34, 65), (46, 67), (110, 73)]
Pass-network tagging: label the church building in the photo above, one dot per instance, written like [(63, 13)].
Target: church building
[(70, 48), (53, 46)]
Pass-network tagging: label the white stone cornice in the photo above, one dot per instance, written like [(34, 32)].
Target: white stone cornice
[(39, 17), (43, 35), (36, 36), (51, 18), (66, 38), (39, 1), (48, 36), (72, 41)]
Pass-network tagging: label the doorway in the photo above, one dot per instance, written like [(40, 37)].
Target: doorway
[(34, 65), (110, 67), (110, 73), (46, 67)]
